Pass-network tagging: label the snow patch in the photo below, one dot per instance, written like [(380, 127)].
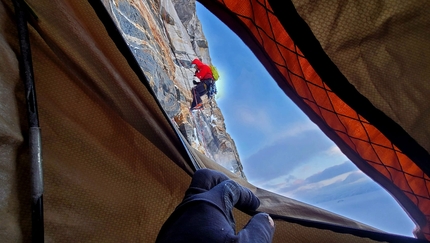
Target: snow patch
[(196, 140)]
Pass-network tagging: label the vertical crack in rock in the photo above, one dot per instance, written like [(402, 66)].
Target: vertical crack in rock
[(165, 36)]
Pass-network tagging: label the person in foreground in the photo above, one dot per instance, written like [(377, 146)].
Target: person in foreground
[(205, 214)]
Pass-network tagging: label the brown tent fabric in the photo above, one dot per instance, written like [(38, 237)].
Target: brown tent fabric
[(359, 71), (108, 149), (114, 165)]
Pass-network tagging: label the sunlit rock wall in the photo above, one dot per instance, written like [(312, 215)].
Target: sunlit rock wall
[(165, 36)]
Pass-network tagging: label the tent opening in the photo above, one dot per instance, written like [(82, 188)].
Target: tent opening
[(281, 149)]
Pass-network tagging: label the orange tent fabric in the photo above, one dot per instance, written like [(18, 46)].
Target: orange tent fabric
[(268, 31)]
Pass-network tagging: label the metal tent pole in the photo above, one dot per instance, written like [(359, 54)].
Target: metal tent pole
[(33, 120)]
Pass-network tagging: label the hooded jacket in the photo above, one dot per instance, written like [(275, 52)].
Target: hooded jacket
[(203, 70), (205, 213)]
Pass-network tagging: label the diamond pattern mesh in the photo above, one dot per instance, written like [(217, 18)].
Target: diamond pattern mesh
[(355, 131)]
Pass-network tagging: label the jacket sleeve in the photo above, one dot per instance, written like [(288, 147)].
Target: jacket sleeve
[(204, 72), (246, 200), (258, 230), (203, 180)]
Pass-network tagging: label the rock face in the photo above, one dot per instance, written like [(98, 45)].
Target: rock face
[(165, 36)]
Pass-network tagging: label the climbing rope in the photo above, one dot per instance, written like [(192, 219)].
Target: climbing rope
[(194, 96), (211, 104)]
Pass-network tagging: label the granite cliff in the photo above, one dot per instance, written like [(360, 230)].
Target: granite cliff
[(165, 36)]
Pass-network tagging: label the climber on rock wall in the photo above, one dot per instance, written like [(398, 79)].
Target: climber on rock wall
[(203, 79)]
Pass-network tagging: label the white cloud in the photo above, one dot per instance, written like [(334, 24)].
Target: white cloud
[(277, 183), (312, 188), (333, 151), (257, 118), (323, 183), (292, 130)]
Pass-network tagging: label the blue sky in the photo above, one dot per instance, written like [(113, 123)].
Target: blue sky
[(281, 149)]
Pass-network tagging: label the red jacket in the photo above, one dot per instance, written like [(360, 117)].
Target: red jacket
[(203, 70)]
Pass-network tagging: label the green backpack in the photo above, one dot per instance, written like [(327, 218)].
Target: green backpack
[(214, 72)]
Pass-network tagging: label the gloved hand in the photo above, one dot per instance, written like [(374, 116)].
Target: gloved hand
[(205, 213), (196, 79)]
